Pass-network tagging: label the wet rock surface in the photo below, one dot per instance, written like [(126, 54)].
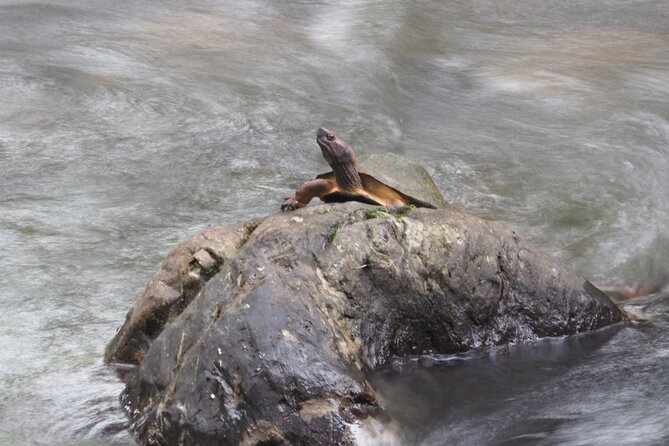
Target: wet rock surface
[(275, 347), (180, 277)]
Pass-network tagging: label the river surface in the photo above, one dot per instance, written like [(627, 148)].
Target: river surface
[(125, 126)]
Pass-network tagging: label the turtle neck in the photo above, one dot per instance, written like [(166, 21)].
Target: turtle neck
[(347, 176)]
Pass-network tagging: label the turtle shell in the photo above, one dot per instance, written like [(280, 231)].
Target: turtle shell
[(373, 192), (342, 197), (403, 175)]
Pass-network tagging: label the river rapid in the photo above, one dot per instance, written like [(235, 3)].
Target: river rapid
[(125, 126)]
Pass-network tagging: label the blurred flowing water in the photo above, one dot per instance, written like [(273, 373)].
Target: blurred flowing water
[(125, 126)]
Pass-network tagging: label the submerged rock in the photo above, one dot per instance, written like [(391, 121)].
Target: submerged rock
[(653, 307), (275, 347)]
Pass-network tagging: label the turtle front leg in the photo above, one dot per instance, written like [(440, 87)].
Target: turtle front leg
[(303, 195)]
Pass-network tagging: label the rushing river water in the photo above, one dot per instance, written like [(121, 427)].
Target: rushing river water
[(125, 126)]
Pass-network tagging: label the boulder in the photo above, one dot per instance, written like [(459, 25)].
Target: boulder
[(196, 259), (276, 345)]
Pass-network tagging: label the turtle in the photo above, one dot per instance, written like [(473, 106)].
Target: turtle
[(345, 182)]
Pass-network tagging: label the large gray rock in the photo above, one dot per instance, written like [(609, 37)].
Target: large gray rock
[(275, 347)]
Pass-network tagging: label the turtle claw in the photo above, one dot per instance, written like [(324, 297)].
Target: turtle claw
[(290, 204)]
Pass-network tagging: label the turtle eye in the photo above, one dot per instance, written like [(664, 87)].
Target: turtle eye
[(330, 136)]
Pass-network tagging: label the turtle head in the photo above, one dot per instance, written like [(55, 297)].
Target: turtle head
[(335, 150)]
